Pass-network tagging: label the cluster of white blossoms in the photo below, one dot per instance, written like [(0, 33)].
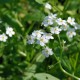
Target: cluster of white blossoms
[(42, 38), (9, 32), (39, 37), (55, 26), (49, 20)]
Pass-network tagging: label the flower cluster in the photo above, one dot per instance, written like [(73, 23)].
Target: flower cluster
[(39, 37), (55, 26), (42, 38), (9, 32)]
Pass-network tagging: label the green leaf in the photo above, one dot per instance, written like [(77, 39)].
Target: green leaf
[(74, 60), (44, 76), (66, 63), (32, 68), (32, 16), (28, 76), (40, 1), (71, 5), (12, 22), (40, 58), (78, 71)]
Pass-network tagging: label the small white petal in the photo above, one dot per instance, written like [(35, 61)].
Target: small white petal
[(47, 51), (70, 34), (55, 30), (9, 31), (3, 37), (48, 6), (71, 21)]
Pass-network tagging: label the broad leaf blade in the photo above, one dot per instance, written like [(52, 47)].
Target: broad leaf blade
[(44, 76)]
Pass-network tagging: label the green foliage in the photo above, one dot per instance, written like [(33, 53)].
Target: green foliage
[(20, 61), (40, 1)]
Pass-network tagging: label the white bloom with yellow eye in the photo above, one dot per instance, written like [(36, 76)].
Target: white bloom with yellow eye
[(55, 30), (48, 6), (60, 21), (71, 33), (65, 27), (42, 41), (37, 34), (47, 51), (52, 16), (48, 36), (9, 31), (31, 39), (47, 21), (3, 37), (71, 21)]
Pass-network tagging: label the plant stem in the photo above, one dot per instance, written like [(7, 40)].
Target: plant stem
[(61, 47), (19, 23), (30, 28), (64, 71), (67, 72)]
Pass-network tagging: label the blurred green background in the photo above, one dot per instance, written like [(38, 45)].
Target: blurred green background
[(20, 61)]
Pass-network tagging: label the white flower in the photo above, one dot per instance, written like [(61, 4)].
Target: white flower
[(3, 37), (71, 33), (47, 51), (42, 41), (65, 27), (48, 6), (53, 16), (31, 39), (47, 21), (9, 31), (37, 34), (71, 21), (60, 21), (55, 30), (48, 36)]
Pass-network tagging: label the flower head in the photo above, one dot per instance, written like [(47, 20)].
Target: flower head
[(42, 41), (47, 21), (48, 36), (71, 33), (9, 31), (47, 51), (53, 16), (60, 21), (3, 37), (55, 30), (37, 34), (31, 39), (71, 21), (65, 27), (48, 6)]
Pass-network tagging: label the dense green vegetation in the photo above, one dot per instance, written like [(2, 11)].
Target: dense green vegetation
[(22, 61)]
